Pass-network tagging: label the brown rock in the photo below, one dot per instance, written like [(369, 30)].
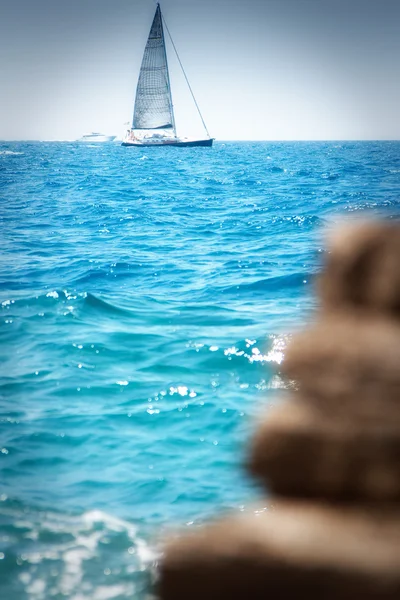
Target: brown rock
[(349, 367), (363, 269), (296, 452), (294, 551)]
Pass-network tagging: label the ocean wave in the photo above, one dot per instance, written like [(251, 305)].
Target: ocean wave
[(272, 284), (87, 301), (105, 307), (10, 153), (41, 300), (145, 311), (46, 553)]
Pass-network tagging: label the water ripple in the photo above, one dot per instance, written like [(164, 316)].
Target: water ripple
[(146, 300)]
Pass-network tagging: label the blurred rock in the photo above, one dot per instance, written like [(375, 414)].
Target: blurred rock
[(362, 270), (295, 551), (349, 367), (333, 449), (296, 452)]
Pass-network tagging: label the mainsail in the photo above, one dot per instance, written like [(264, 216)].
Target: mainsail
[(153, 103)]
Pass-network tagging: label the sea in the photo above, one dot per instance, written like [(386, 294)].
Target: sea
[(146, 300)]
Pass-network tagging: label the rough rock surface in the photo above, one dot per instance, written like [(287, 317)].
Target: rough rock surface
[(297, 452), (349, 367), (297, 550), (362, 270)]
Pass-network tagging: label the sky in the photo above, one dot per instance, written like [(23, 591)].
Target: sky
[(260, 69)]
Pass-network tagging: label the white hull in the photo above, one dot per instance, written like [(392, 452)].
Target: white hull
[(97, 138)]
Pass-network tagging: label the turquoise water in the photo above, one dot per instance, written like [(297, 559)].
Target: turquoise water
[(146, 300)]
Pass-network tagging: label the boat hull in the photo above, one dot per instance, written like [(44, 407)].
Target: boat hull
[(97, 139), (180, 144)]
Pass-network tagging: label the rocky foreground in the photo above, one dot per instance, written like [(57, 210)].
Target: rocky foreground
[(329, 456)]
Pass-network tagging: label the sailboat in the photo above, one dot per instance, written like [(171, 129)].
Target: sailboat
[(153, 115)]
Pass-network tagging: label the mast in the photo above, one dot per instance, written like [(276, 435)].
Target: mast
[(167, 70)]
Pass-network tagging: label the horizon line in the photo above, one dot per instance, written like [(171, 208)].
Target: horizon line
[(222, 140)]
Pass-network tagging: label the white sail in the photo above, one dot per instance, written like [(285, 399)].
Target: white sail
[(153, 103)]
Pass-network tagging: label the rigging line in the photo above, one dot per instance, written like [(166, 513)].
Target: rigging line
[(184, 73)]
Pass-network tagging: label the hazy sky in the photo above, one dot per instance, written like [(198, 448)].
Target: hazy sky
[(260, 69)]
